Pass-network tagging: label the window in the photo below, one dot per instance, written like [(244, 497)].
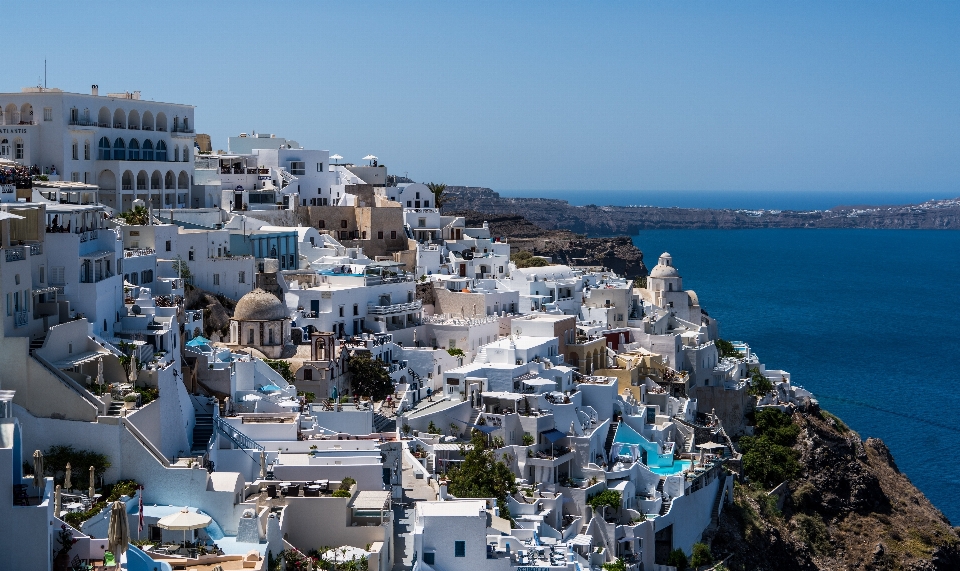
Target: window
[(103, 148), (4, 147), (307, 374), (75, 177), (119, 150), (86, 150), (18, 149), (161, 151), (216, 279), (146, 276), (460, 548), (190, 255), (428, 557), (426, 204), (422, 222), (47, 113), (250, 337), (393, 234), (341, 311), (409, 204), (380, 235), (75, 151), (243, 277), (298, 168), (356, 309), (319, 167), (168, 245), (43, 274), (176, 153), (147, 149), (56, 275), (343, 223)]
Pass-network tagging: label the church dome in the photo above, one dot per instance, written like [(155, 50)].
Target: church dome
[(664, 268), (260, 305)]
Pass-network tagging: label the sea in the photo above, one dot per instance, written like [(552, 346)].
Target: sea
[(865, 319)]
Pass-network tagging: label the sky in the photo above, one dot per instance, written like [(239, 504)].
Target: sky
[(831, 96)]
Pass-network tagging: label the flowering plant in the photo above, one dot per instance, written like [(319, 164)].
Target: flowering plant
[(65, 539)]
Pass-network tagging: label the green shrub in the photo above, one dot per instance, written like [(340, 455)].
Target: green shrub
[(701, 555), (609, 498), (346, 483), (678, 559), (768, 458), (759, 385), (812, 531), (618, 565), (527, 439), (341, 493)]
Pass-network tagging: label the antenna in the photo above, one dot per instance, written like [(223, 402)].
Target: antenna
[(44, 73)]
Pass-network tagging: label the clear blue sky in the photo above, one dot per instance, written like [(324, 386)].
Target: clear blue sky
[(853, 96)]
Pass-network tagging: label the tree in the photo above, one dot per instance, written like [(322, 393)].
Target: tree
[(606, 498), (139, 216), (368, 378), (282, 367), (726, 349), (55, 462), (618, 565), (759, 385), (701, 555), (456, 352), (437, 189), (768, 457), (481, 475), (524, 259), (181, 268)]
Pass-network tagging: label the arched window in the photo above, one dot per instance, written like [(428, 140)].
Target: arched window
[(119, 149), (75, 150), (176, 153), (161, 151), (103, 149), (86, 150), (5, 148), (147, 153), (134, 150), (186, 154)]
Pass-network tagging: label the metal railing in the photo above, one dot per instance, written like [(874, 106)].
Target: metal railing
[(133, 252), (394, 308), (16, 253), (239, 439), (36, 249)]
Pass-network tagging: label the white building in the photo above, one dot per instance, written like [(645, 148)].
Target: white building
[(131, 148)]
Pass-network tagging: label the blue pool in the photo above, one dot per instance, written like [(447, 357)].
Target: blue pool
[(678, 466)]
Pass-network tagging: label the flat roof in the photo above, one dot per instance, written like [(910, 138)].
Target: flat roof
[(459, 508), (371, 500)]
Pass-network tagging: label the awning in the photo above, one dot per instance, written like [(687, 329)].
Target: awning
[(553, 435), (371, 500)]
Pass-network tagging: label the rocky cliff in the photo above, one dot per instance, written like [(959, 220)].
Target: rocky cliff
[(619, 254), (594, 220), (849, 508)]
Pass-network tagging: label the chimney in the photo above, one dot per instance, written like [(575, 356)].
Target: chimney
[(94, 90)]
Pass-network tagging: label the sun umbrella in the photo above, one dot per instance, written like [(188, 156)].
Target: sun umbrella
[(263, 465), (37, 468), (56, 502), (184, 520), (118, 533), (93, 486), (66, 477), (336, 158)]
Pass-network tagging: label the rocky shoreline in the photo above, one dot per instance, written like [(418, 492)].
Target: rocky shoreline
[(594, 220)]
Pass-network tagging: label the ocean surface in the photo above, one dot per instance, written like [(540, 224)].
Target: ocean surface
[(866, 319), (752, 200)]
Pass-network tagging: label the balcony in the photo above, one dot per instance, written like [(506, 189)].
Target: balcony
[(415, 305)]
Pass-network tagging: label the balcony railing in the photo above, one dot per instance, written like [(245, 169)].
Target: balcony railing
[(134, 252), (16, 253), (81, 122), (394, 308), (36, 249)]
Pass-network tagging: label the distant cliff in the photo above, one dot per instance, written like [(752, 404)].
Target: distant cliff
[(619, 254), (594, 220)]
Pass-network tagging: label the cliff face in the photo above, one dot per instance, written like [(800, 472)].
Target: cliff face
[(594, 220), (850, 508), (562, 246)]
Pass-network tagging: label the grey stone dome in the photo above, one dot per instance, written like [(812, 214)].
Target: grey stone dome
[(260, 305)]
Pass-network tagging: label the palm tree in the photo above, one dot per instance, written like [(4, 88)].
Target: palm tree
[(136, 217), (437, 190)]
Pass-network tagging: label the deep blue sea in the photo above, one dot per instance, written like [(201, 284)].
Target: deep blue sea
[(866, 319), (753, 200)]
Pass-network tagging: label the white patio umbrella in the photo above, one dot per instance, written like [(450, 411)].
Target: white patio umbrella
[(184, 520), (66, 477), (118, 533), (370, 158), (37, 468), (93, 486), (336, 158), (56, 501)]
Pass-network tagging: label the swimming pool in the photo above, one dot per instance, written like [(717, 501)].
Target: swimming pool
[(678, 466)]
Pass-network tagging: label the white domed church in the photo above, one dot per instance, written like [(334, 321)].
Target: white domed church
[(665, 287), (260, 321)]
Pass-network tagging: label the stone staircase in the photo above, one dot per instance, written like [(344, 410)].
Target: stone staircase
[(610, 436), (115, 408), (202, 431), (383, 423), (481, 355), (715, 511), (37, 343)]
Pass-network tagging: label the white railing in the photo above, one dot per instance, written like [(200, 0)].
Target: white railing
[(394, 308)]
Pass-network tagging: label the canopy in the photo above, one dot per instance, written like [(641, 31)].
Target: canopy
[(197, 341), (184, 520), (581, 539), (553, 435), (369, 157), (711, 445)]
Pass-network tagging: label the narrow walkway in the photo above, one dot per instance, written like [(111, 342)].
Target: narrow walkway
[(403, 516)]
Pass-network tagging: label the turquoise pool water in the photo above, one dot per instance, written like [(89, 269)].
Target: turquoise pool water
[(678, 466)]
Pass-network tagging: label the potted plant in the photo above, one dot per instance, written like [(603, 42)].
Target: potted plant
[(130, 400)]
